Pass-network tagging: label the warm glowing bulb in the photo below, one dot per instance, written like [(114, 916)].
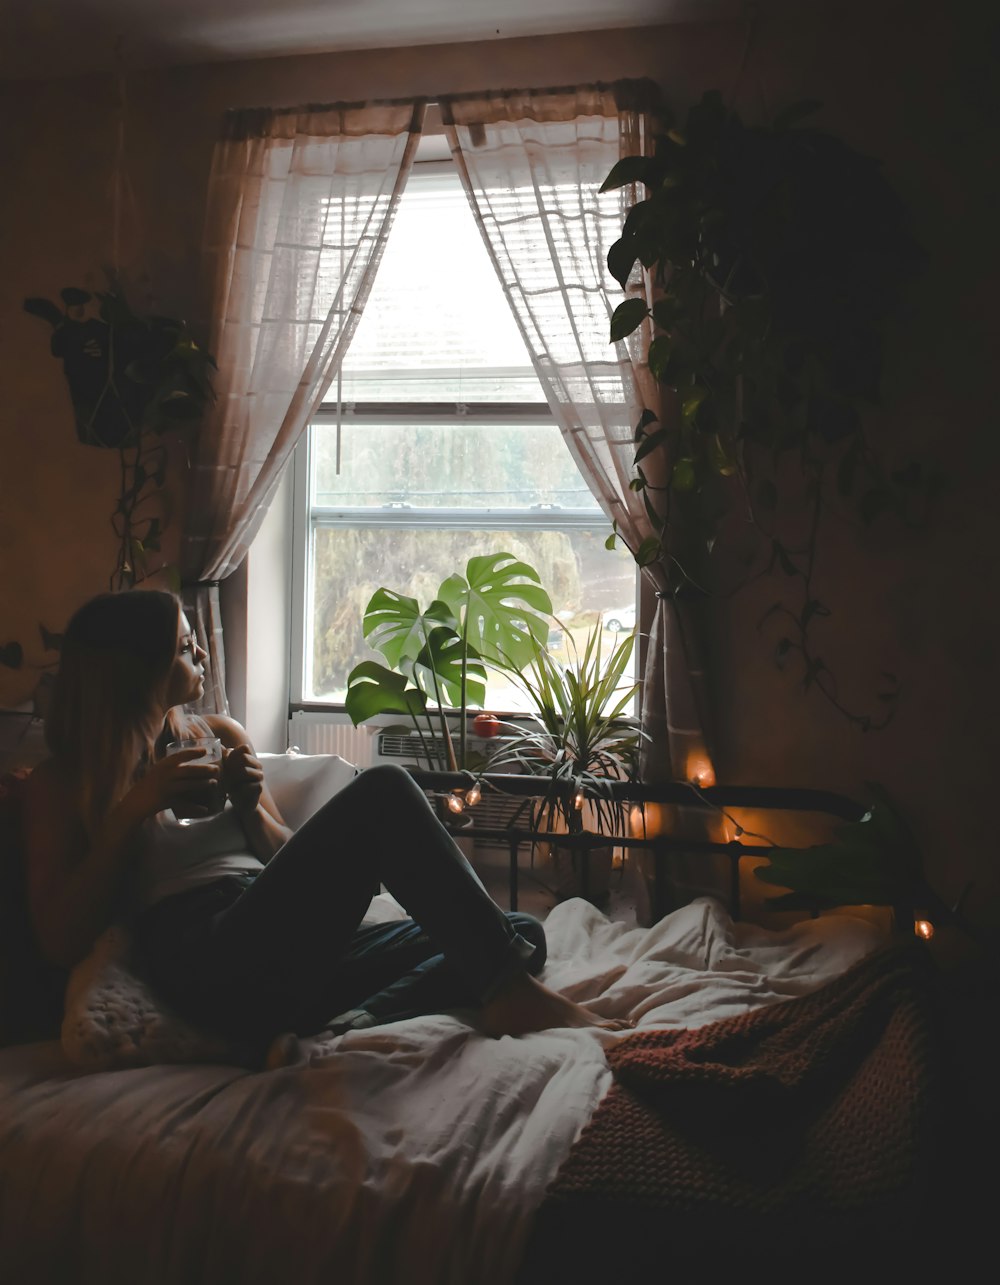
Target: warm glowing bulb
[(924, 928), (455, 803), (700, 771), (578, 800), (472, 796)]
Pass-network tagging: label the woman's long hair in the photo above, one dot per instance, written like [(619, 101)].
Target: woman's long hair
[(107, 703)]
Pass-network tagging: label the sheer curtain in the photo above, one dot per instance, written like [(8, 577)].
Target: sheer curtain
[(299, 209), (532, 163)]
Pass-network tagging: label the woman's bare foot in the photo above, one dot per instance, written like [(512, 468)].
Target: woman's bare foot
[(526, 1005)]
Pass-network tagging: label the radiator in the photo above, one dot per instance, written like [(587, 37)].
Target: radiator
[(321, 732), (381, 740)]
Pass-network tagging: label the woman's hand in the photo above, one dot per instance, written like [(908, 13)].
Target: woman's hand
[(244, 781), (242, 778), (178, 781)]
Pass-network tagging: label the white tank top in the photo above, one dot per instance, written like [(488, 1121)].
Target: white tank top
[(174, 857)]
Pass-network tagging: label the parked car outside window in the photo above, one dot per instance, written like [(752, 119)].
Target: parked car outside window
[(620, 620)]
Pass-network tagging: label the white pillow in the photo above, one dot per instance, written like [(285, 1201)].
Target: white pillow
[(302, 783)]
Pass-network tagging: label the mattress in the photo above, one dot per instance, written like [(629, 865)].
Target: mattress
[(415, 1153)]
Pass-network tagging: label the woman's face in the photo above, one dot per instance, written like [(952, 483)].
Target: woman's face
[(186, 680)]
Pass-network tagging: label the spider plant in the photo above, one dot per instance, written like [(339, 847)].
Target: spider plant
[(579, 738)]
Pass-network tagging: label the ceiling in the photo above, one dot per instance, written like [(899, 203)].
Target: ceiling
[(60, 37)]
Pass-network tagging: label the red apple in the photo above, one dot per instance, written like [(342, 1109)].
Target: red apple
[(486, 725)]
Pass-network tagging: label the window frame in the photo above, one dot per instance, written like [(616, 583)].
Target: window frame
[(307, 518)]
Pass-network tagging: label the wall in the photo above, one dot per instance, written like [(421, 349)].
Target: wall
[(911, 85), (905, 82)]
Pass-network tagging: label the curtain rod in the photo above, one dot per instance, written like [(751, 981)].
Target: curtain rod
[(644, 85)]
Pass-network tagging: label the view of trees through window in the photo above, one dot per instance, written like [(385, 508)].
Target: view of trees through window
[(350, 564), (403, 493)]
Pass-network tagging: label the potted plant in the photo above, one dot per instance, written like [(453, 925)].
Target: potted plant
[(495, 615), (580, 742), (131, 378), (127, 374), (772, 257)]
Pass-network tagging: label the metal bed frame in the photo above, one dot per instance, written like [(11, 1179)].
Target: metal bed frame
[(677, 793)]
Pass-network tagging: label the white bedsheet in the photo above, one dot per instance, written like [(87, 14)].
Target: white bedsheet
[(412, 1154)]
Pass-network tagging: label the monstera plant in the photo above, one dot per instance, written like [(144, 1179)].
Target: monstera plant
[(496, 616)]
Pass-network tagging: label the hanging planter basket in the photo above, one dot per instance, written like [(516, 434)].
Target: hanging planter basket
[(127, 374)]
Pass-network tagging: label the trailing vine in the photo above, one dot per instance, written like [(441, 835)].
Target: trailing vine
[(775, 255)]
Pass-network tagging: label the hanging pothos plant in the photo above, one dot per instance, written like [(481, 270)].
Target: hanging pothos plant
[(776, 255), (131, 379)]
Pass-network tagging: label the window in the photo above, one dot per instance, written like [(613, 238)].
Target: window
[(438, 444)]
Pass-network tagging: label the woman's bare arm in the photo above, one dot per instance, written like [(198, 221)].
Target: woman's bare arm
[(75, 880)]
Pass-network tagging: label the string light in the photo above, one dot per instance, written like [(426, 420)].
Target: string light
[(455, 803), (699, 770), (923, 928), (578, 800), (473, 795)]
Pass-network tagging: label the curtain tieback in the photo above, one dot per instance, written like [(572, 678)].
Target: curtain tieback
[(684, 592)]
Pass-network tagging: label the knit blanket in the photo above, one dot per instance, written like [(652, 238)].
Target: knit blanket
[(806, 1127)]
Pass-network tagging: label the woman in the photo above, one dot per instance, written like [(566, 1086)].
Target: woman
[(243, 926)]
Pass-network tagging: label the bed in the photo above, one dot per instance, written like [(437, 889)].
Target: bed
[(423, 1153)]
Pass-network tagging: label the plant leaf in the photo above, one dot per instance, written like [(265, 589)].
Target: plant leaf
[(45, 309), (659, 355), (649, 551), (683, 477), (632, 169), (12, 655), (666, 311), (649, 443), (501, 607), (627, 317), (645, 419), (437, 670), (873, 861), (394, 624), (372, 689), (689, 409), (621, 259)]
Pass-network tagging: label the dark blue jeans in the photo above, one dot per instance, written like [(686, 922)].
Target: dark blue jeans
[(286, 950)]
